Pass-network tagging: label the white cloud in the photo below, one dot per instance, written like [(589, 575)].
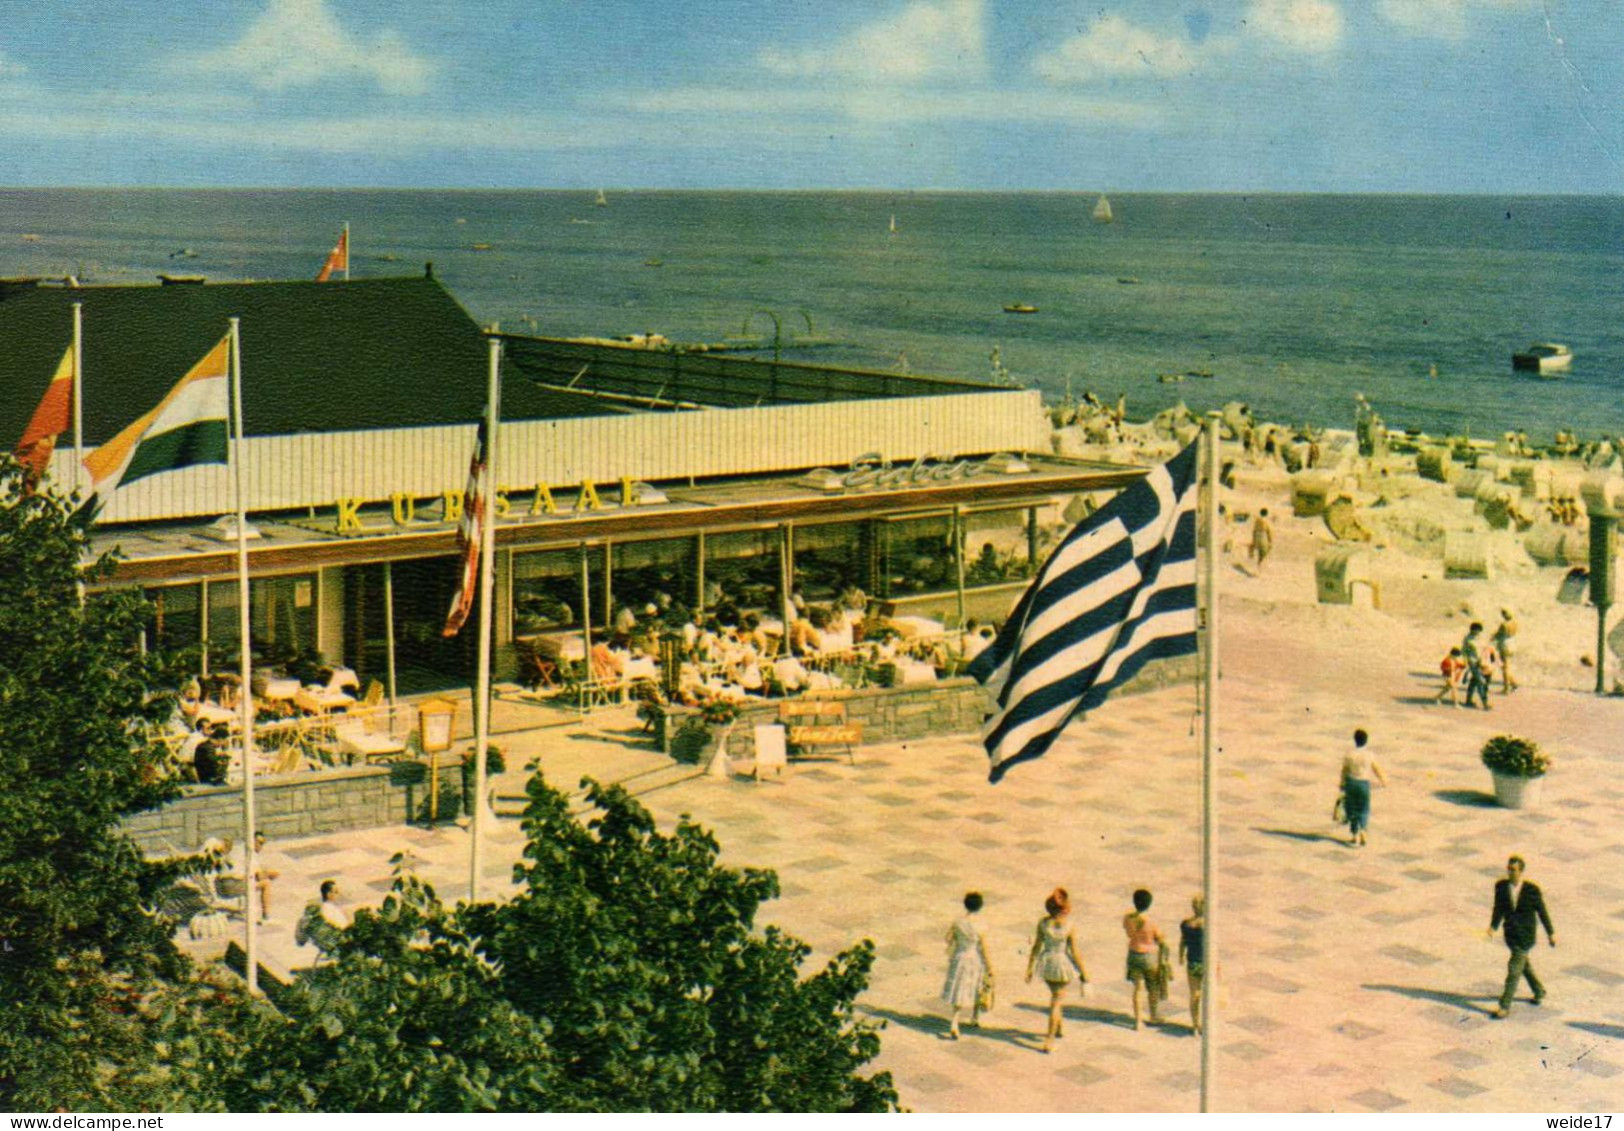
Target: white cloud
[(1310, 26), (1112, 46), (298, 43), (926, 40), (1444, 19), (879, 107)]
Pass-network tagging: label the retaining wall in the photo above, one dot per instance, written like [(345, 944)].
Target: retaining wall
[(306, 804)]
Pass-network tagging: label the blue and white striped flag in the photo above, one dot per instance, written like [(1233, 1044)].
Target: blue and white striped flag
[(1118, 592)]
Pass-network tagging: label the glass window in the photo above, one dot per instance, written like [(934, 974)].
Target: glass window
[(547, 589), (996, 547), (832, 558), (175, 618), (282, 618), (741, 572), (657, 573), (918, 556)]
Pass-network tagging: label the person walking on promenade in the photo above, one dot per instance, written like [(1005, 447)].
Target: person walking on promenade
[(1193, 955), (1519, 904), (1357, 769), (1262, 537), (1477, 674), (968, 970), (1147, 959), (1053, 958), (1503, 633), (1453, 669)]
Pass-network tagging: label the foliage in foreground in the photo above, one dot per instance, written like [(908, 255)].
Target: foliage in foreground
[(625, 977), (81, 951)]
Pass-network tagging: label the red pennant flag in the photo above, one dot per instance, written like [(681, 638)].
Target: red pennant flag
[(53, 417), (338, 259)]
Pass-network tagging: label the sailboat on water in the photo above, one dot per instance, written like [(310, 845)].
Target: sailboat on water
[(603, 201), (893, 228), (1102, 210)]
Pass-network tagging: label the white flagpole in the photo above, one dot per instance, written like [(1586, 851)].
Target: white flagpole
[(347, 250), (487, 590), (246, 694), (1209, 782), (78, 389)]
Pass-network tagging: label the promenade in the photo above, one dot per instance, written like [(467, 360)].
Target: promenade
[(1353, 979)]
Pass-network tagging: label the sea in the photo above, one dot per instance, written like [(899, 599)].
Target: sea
[(1291, 304)]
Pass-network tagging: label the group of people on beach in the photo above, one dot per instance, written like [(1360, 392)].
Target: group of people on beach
[(1054, 957), (1471, 667)]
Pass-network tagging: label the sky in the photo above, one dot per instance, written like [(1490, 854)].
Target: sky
[(1491, 96)]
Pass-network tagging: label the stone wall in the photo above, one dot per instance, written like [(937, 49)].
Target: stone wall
[(894, 714), (887, 714), (306, 804)]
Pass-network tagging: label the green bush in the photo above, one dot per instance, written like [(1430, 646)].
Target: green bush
[(1517, 757)]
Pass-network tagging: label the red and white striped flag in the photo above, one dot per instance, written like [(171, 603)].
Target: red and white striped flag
[(468, 538), (338, 259)]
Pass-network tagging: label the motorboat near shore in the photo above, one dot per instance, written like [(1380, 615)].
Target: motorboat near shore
[(1548, 359), (1020, 308)]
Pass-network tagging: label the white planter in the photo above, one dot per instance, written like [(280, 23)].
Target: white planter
[(1514, 792)]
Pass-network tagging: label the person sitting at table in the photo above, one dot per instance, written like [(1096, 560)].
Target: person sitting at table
[(209, 757), (747, 673), (835, 629), (625, 622), (975, 639), (191, 699), (754, 635), (804, 637), (607, 665)]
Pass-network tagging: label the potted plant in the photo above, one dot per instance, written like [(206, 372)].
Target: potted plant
[(697, 734), (1517, 765)]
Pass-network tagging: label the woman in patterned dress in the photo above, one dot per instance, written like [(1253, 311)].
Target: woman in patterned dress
[(1054, 957), (967, 965)]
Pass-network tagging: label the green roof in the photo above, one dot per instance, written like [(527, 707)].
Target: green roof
[(316, 357)]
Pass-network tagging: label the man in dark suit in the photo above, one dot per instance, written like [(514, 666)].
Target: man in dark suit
[(1520, 906)]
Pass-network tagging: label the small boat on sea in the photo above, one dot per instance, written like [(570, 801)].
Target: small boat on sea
[(893, 228), (602, 201), (653, 263), (1102, 211), (1128, 280), (480, 247), (1545, 358), (1020, 308)]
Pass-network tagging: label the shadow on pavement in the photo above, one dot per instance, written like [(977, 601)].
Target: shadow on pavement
[(1416, 700), (937, 1026), (1467, 1003), (1086, 1013), (1471, 798), (1615, 1032), (1311, 838)]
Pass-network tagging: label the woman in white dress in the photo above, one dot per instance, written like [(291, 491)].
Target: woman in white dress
[(1054, 957), (967, 965)]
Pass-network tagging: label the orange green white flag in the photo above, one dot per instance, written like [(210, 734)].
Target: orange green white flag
[(187, 428), (51, 418)]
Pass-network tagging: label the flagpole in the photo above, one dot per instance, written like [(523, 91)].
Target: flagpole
[(1209, 785), (246, 694), (346, 251), (487, 590), (78, 368)]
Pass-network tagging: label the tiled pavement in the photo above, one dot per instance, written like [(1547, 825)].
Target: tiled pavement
[(1353, 979)]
